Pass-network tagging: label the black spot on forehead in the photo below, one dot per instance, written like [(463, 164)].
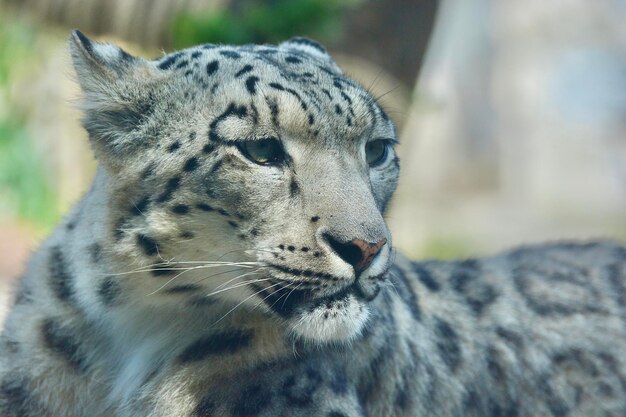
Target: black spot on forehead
[(169, 61), (182, 64), (191, 164), (293, 59), (251, 84), (211, 67), (255, 113), (196, 54), (232, 110), (171, 186), (216, 166), (246, 69), (273, 105), (280, 87), (208, 148), (174, 146), (277, 86), (230, 54), (268, 51)]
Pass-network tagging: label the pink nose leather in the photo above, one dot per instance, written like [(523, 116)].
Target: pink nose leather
[(368, 252)]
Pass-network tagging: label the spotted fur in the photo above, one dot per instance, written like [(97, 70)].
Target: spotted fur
[(192, 281)]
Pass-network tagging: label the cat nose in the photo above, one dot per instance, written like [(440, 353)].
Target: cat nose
[(356, 252)]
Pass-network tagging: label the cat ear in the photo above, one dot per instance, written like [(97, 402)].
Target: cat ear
[(312, 48), (98, 64), (117, 98)]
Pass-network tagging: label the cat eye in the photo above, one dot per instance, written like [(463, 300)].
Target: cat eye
[(263, 151), (376, 152)]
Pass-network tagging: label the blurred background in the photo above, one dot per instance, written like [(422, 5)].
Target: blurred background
[(512, 114)]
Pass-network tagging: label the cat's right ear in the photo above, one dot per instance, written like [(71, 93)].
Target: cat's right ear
[(99, 66), (117, 100)]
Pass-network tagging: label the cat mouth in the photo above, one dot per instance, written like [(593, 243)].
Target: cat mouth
[(290, 299)]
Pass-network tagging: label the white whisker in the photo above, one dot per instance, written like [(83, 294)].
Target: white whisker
[(266, 297), (204, 265), (230, 280), (178, 275), (222, 273), (241, 284), (244, 300), (295, 288)]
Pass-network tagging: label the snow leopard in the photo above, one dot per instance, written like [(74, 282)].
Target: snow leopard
[(232, 259)]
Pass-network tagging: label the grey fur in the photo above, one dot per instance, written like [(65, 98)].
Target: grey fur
[(114, 317)]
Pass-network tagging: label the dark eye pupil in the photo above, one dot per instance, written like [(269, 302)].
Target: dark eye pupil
[(375, 152), (263, 151)]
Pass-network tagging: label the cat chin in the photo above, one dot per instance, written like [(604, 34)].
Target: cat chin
[(339, 321)]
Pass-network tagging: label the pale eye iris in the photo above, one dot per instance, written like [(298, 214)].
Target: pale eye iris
[(263, 151), (376, 152)]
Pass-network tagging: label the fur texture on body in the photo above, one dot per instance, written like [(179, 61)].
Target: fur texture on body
[(231, 259)]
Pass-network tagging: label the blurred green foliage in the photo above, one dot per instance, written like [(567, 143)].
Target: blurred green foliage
[(262, 22), (445, 248), (24, 188)]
